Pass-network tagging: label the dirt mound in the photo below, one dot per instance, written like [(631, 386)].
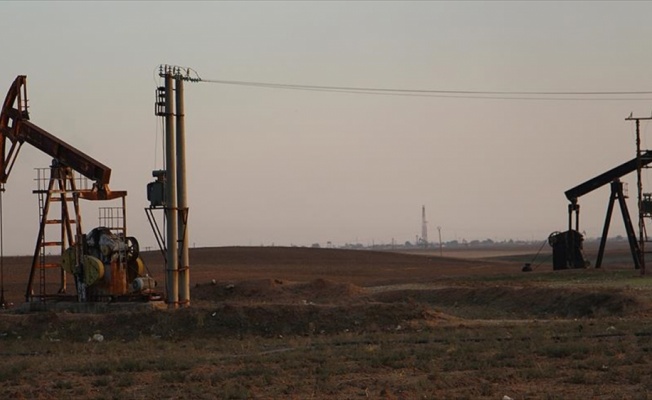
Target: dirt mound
[(220, 291), (515, 302), (278, 291), (324, 289), (226, 319)]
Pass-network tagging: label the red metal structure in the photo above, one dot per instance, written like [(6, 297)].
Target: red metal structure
[(102, 264)]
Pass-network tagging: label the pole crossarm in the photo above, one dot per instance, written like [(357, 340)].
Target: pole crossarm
[(177, 72)]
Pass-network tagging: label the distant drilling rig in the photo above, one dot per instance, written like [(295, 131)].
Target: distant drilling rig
[(424, 227)]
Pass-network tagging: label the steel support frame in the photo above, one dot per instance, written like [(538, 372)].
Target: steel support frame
[(618, 194), (61, 188)]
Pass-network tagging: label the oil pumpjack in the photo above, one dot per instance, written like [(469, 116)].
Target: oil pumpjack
[(567, 248), (104, 262)]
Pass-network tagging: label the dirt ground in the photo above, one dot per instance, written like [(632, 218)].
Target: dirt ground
[(304, 323)]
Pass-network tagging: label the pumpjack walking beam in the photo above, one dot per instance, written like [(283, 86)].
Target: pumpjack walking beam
[(15, 129), (604, 178)]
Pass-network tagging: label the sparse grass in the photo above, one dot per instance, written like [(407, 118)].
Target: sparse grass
[(125, 380), (132, 365), (102, 381), (463, 361), (574, 277), (601, 356), (63, 384), (12, 370)]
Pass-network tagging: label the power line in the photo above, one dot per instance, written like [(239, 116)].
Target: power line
[(459, 94), (368, 89)]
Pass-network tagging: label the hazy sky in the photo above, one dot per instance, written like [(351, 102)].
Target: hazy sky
[(297, 167)]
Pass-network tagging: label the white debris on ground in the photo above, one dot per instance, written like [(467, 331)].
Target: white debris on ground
[(98, 337)]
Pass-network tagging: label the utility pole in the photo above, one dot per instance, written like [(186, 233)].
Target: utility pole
[(169, 191), (182, 198), (441, 252), (642, 212), (172, 267)]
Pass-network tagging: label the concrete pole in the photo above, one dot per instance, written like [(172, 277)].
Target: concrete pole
[(182, 197), (441, 252), (172, 267)]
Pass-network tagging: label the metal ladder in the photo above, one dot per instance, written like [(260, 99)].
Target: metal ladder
[(60, 189)]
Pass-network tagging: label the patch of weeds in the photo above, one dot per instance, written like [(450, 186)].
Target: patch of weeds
[(322, 372), (442, 381), (173, 376), (537, 372), (198, 377), (125, 380), (215, 378), (426, 365), (518, 362), (388, 359), (97, 369), (647, 385), (486, 389), (200, 320), (634, 377), (102, 381), (268, 378), (235, 392), (131, 365), (579, 378), (176, 363), (11, 372), (63, 384), (247, 372), (576, 351), (633, 358), (593, 363)]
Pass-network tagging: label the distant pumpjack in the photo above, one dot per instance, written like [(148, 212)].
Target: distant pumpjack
[(567, 246)]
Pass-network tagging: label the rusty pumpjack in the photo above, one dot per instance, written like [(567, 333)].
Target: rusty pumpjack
[(567, 246), (105, 263)]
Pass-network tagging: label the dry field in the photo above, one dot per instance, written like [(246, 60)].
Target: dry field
[(299, 323)]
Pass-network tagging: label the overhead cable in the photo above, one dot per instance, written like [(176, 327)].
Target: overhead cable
[(462, 94)]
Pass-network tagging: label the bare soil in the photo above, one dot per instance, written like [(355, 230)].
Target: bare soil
[(300, 323)]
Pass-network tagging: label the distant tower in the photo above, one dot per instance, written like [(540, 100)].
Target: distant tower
[(424, 227)]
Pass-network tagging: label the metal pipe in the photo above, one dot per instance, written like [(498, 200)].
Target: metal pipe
[(172, 265), (182, 198)]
